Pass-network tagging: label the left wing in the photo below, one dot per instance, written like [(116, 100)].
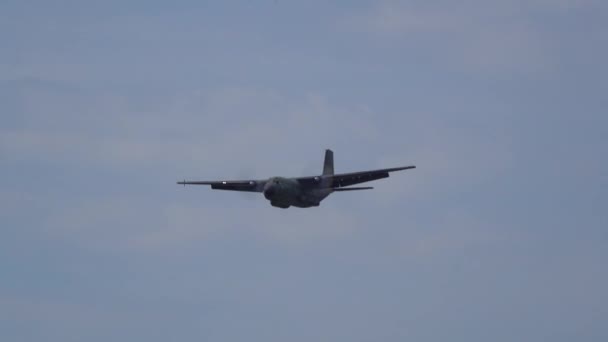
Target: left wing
[(352, 178), (242, 185)]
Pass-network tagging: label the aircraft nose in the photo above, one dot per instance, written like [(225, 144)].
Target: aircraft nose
[(269, 192)]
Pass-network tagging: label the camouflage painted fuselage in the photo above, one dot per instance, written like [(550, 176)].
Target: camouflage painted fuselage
[(285, 192)]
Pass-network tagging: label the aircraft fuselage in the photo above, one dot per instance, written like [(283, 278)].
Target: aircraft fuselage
[(285, 192)]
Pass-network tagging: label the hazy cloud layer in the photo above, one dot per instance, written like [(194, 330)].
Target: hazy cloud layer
[(482, 36), (499, 234)]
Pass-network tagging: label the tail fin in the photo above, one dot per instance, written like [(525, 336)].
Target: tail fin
[(328, 165)]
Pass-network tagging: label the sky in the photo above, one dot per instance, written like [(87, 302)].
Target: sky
[(500, 233)]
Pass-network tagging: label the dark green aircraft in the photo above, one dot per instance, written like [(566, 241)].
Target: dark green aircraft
[(303, 192)]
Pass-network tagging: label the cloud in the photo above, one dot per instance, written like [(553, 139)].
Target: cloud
[(192, 127), (487, 37), (139, 225), (35, 315), (451, 233)]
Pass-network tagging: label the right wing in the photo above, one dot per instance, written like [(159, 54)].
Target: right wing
[(352, 178), (243, 185)]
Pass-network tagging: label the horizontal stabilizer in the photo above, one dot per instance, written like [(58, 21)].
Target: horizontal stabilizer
[(350, 189)]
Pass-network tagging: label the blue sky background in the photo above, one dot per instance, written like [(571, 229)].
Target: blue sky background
[(499, 234)]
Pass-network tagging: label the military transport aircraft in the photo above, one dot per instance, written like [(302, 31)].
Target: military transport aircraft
[(303, 192)]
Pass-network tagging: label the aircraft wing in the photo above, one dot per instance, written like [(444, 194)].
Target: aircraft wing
[(240, 185), (352, 178)]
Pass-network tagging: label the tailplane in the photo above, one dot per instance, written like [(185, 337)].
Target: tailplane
[(328, 164), (353, 188)]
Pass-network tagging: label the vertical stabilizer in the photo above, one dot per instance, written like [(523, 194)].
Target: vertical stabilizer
[(328, 164)]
